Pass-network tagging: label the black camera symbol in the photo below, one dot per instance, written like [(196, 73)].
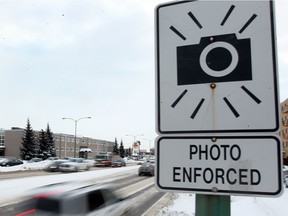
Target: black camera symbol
[(220, 58)]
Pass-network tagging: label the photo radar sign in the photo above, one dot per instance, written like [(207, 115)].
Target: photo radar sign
[(216, 67)]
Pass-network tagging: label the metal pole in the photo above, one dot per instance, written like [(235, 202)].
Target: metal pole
[(75, 121), (212, 205)]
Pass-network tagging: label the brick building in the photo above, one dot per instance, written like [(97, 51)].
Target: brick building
[(284, 129), (10, 142)]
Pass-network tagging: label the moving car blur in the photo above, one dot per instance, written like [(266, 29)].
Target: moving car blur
[(34, 160), (75, 199), (146, 169), (54, 165), (74, 165), (118, 163)]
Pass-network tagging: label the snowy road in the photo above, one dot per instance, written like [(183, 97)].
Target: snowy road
[(125, 182)]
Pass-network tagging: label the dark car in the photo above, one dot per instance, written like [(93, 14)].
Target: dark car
[(146, 169), (118, 163), (10, 162), (54, 165)]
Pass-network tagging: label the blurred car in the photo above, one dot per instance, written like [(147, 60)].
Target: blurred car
[(54, 165), (141, 161), (73, 199), (34, 160), (146, 169), (74, 165), (10, 162), (52, 158), (118, 163)]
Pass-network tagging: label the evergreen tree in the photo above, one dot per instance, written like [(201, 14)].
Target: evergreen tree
[(29, 148), (42, 140), (121, 150), (128, 151), (51, 151), (116, 149)]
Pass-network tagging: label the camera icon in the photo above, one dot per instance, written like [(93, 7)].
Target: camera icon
[(220, 58)]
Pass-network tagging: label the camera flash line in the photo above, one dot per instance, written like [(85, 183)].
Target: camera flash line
[(195, 20), (248, 23), (231, 107), (177, 32), (179, 98), (257, 100), (227, 15)]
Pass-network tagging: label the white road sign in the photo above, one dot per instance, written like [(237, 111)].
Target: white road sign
[(248, 165), (216, 67)]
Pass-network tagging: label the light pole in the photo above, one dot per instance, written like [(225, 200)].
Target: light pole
[(134, 136), (75, 121)]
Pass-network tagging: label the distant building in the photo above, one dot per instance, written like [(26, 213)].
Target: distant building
[(10, 143), (284, 129)]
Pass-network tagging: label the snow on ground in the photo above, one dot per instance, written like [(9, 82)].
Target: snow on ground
[(183, 204)]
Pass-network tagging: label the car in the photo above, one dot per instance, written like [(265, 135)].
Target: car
[(10, 162), (146, 169), (77, 199), (118, 163), (34, 160), (52, 158), (54, 166), (141, 161), (74, 165)]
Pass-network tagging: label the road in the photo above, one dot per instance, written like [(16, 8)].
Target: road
[(140, 191)]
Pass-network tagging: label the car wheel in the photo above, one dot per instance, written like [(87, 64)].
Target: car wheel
[(87, 168)]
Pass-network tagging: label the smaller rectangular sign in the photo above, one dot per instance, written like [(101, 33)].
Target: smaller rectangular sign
[(247, 165)]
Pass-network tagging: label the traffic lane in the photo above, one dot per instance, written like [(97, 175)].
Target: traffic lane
[(132, 186), (29, 173)]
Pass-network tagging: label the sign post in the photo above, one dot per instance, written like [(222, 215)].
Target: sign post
[(217, 106), (210, 205)]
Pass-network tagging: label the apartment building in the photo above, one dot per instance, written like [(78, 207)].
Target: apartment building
[(10, 143), (284, 129)]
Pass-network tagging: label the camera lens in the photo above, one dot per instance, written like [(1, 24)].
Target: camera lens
[(219, 59)]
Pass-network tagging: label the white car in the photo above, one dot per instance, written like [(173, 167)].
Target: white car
[(74, 165)]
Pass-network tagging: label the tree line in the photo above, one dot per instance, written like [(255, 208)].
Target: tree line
[(40, 145), (119, 150)]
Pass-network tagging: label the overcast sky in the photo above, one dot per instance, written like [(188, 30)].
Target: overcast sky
[(88, 58)]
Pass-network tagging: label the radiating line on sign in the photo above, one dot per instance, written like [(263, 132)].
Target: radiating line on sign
[(227, 14), (197, 108), (179, 98), (231, 107), (257, 100), (177, 32), (195, 20), (248, 23)]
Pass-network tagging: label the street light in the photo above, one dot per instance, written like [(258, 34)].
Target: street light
[(75, 121), (134, 136)]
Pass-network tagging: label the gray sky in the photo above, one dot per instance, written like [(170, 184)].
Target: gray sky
[(88, 58)]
